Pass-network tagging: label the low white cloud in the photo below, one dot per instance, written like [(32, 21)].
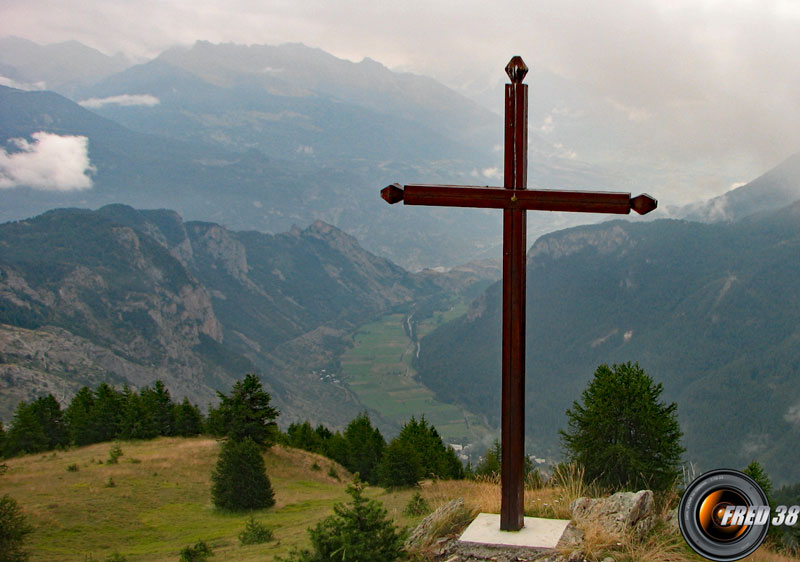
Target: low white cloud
[(125, 100), (492, 172), (49, 162), (303, 149), (565, 152), (633, 113), (547, 125), (717, 209), (5, 81), (792, 415)]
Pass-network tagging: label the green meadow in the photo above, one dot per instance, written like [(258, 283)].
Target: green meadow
[(156, 500), (378, 368)]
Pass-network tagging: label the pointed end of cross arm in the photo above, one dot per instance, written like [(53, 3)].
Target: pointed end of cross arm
[(392, 193), (643, 203), (516, 69)]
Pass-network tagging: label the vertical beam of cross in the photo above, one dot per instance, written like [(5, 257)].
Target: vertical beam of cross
[(514, 247)]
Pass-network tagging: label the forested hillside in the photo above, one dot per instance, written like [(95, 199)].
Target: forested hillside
[(710, 310)]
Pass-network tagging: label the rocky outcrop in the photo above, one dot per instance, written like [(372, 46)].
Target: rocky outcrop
[(617, 515), (622, 517), (565, 243)]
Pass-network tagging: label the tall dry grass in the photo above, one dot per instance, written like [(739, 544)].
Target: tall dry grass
[(552, 500)]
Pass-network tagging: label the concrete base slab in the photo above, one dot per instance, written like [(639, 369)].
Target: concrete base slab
[(537, 532)]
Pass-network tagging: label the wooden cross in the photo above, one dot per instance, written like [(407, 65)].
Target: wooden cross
[(515, 199)]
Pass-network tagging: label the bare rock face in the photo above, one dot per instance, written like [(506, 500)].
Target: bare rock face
[(562, 245), (618, 514)]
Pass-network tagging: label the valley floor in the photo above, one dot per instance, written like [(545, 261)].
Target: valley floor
[(378, 368)]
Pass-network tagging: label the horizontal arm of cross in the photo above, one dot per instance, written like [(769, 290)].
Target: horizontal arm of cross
[(529, 199)]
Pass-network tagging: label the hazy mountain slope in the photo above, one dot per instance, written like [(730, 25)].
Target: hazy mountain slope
[(773, 190), (246, 112), (297, 70), (63, 67), (243, 191), (132, 296), (710, 310)]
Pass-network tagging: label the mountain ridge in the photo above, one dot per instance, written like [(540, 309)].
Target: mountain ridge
[(130, 296)]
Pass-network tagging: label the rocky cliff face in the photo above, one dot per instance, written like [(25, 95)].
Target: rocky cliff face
[(132, 296)]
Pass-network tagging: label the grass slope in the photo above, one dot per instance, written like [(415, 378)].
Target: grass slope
[(161, 501)]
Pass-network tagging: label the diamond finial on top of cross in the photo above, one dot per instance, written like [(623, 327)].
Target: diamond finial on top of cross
[(516, 70)]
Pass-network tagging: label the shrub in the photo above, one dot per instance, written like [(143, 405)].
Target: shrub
[(240, 480), (356, 532), (315, 467), (255, 533), (417, 505), (114, 454), (197, 553), (13, 529), (73, 467), (333, 474)]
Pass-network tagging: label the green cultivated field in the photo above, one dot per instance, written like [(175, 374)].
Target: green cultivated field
[(160, 501), (378, 368)]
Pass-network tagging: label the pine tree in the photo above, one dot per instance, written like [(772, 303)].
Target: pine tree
[(489, 464), (188, 419), (26, 434), (13, 529), (363, 448), (622, 434), (420, 452), (492, 461), (136, 421), (158, 403), (240, 480), (302, 436), (400, 465), (79, 418), (755, 471), (246, 413), (357, 532), (438, 460), (106, 413), (48, 411)]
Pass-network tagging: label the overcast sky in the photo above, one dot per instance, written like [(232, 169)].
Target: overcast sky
[(714, 84)]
